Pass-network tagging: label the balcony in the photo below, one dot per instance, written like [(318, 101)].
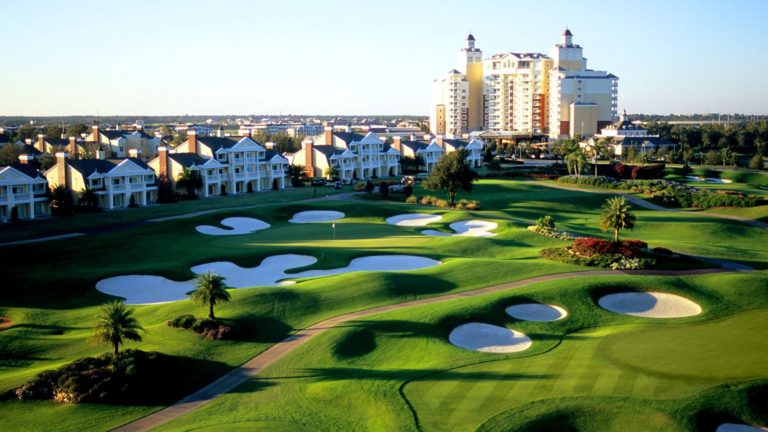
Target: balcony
[(18, 196), (117, 187), (137, 186), (238, 176)]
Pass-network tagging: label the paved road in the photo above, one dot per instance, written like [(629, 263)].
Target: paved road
[(255, 365), (651, 206)]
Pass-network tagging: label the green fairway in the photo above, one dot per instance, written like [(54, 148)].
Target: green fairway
[(398, 371), (375, 373)]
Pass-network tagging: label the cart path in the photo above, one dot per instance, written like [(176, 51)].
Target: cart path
[(651, 206), (252, 367)]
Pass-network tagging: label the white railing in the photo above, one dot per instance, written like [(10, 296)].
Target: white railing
[(137, 186), (213, 178), (240, 175), (117, 187)]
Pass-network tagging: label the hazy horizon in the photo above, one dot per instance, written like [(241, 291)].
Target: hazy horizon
[(217, 58)]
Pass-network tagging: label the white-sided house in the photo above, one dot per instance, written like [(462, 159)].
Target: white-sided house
[(118, 182), (172, 164), (250, 167), (23, 191), (372, 156), (474, 148), (316, 159), (430, 153)]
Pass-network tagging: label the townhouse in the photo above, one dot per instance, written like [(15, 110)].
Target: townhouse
[(23, 191), (118, 182), (355, 156), (119, 142), (245, 166)]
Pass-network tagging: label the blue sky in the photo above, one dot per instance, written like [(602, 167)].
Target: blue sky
[(352, 57)]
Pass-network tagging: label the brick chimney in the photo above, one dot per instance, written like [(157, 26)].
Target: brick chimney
[(134, 153), (269, 145), (439, 139), (162, 153), (397, 144), (62, 162), (309, 157), (329, 135), (26, 159), (192, 140), (95, 132), (40, 143), (73, 146), (28, 141)]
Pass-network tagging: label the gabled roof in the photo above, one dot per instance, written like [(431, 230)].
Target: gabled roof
[(217, 143), (57, 141), (4, 138), (328, 150), (30, 149), (348, 137), (188, 159), (86, 167), (27, 170), (636, 141), (270, 154), (114, 134), (415, 145)]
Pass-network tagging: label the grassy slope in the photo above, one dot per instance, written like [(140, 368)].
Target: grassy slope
[(53, 309), (364, 375)]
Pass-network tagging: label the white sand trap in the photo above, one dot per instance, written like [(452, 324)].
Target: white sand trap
[(467, 228), (314, 216), (708, 180), (733, 427), (718, 180), (488, 338), (239, 225), (141, 289), (536, 312), (649, 305), (413, 219)]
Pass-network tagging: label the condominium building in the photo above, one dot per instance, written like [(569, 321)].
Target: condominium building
[(582, 101), (515, 87), (457, 97), (524, 93)]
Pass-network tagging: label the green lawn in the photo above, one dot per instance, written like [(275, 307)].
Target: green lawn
[(49, 295)]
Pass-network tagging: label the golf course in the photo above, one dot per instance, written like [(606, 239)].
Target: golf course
[(351, 312)]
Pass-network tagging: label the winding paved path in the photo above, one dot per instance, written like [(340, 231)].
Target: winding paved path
[(252, 367), (651, 206)]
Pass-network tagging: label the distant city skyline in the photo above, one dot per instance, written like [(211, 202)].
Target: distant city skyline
[(341, 57)]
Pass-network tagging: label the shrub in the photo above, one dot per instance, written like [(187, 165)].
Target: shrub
[(384, 189), (463, 204), (662, 251), (412, 199), (359, 187), (756, 163), (408, 190), (128, 377), (185, 321), (369, 186), (545, 223)]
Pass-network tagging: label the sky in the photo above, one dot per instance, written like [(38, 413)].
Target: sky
[(174, 57)]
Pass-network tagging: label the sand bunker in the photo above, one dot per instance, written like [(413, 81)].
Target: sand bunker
[(313, 216), (649, 305), (413, 219), (708, 179), (733, 427), (467, 228), (488, 338), (144, 289), (239, 225), (536, 312)]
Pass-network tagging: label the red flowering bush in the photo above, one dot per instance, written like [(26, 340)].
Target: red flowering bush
[(590, 246)]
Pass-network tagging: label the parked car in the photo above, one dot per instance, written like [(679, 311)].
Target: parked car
[(318, 182)]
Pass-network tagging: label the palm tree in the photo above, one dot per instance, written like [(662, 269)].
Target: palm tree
[(89, 198), (616, 214), (727, 155), (576, 160), (210, 290), (116, 325), (61, 201), (190, 180)]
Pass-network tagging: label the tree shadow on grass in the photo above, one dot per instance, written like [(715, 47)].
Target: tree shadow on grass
[(397, 284), (257, 328), (341, 373)]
